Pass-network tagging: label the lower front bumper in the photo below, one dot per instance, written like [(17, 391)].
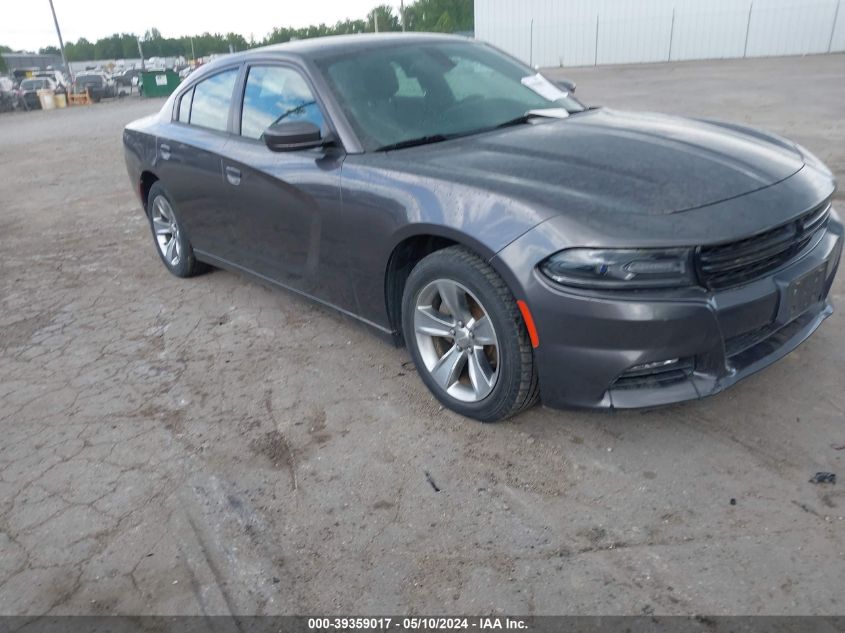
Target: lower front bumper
[(777, 343), (590, 342)]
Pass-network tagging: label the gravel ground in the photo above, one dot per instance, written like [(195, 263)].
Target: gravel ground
[(213, 446)]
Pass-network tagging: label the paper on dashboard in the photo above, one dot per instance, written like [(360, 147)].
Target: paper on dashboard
[(543, 87)]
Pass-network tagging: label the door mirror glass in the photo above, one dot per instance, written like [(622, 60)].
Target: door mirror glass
[(288, 136)]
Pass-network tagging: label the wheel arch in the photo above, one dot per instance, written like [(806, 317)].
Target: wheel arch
[(145, 182), (412, 246)]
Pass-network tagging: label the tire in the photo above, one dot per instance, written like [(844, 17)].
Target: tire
[(482, 369), (171, 243)]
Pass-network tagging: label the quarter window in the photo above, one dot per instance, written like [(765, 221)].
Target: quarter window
[(210, 105), (274, 94), (185, 106)]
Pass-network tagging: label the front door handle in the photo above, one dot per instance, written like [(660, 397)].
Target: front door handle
[(164, 150), (233, 175)]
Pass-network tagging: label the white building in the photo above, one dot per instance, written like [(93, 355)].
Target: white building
[(587, 32)]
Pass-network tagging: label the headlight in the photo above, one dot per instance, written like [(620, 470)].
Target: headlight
[(621, 269)]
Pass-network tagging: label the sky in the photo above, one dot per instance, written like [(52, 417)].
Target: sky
[(30, 25)]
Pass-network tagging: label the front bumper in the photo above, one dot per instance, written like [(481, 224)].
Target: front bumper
[(590, 341)]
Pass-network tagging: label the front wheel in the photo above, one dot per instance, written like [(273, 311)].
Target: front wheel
[(467, 338)]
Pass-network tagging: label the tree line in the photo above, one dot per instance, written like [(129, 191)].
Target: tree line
[(444, 16)]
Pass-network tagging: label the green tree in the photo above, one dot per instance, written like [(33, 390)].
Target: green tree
[(446, 16), (81, 50), (108, 47), (49, 50), (386, 20), (445, 24), (440, 15), (4, 49), (237, 41), (128, 46)]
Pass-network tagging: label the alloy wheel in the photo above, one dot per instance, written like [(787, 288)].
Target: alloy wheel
[(456, 340), (166, 231)]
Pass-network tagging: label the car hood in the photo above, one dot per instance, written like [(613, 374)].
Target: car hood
[(611, 161)]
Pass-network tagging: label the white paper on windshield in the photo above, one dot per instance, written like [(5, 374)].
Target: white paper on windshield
[(552, 113), (543, 87)]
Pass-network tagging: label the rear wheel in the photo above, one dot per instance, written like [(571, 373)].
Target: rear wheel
[(172, 244), (466, 336)]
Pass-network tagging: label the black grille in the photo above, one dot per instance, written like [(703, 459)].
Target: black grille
[(734, 263)]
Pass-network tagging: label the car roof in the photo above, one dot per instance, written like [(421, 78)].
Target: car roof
[(339, 44), (331, 45)]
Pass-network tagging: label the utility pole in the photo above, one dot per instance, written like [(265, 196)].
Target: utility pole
[(193, 57), (375, 20), (140, 52), (402, 13), (61, 42), (747, 29)]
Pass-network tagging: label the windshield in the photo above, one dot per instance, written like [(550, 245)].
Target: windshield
[(436, 91), (89, 80), (32, 84)]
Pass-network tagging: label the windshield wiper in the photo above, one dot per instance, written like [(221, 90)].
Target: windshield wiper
[(414, 142), (552, 113)]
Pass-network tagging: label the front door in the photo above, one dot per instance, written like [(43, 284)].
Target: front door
[(285, 208)]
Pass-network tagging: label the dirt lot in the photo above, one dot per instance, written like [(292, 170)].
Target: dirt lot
[(213, 446)]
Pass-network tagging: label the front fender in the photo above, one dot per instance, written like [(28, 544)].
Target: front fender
[(385, 207)]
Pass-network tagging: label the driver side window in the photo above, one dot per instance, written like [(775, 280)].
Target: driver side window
[(274, 94)]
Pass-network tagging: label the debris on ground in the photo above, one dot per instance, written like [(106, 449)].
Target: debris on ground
[(823, 478), (430, 480), (733, 501), (838, 447)]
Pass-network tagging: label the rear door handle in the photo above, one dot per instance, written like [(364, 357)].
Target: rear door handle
[(233, 175), (164, 150)]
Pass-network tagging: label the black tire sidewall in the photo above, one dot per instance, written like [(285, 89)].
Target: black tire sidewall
[(185, 267), (500, 401)]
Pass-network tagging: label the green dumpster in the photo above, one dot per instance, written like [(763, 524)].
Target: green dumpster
[(158, 83)]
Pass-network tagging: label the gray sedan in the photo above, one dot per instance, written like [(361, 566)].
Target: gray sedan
[(521, 245)]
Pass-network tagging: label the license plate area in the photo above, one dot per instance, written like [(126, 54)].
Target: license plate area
[(803, 293)]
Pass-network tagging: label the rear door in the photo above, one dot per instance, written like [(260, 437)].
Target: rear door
[(285, 206), (189, 160)]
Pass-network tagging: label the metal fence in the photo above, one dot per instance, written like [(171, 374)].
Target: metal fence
[(588, 32)]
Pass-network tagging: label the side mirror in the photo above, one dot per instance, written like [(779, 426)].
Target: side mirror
[(289, 136), (565, 84)]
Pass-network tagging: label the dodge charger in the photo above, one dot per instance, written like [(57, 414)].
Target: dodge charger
[(521, 245)]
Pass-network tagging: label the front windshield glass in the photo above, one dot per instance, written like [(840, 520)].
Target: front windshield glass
[(32, 84), (413, 91)]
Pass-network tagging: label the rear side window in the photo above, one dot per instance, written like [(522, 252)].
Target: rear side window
[(210, 105), (185, 107), (273, 94)]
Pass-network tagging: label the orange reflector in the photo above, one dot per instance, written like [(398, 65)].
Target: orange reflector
[(529, 323)]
